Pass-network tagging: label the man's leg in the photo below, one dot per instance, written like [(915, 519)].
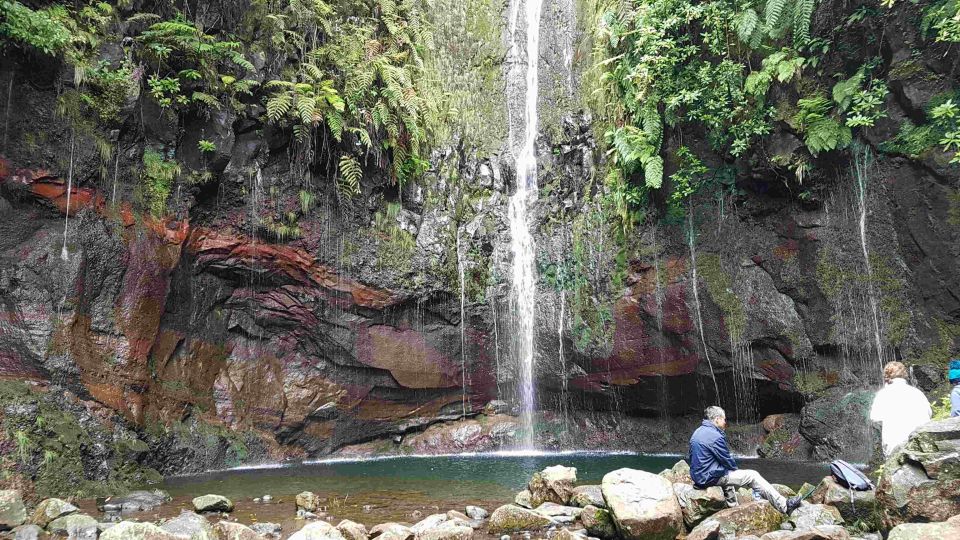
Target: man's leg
[(753, 480)]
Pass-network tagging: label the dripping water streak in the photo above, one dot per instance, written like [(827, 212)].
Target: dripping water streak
[(64, 254), (521, 241), (463, 335), (563, 362), (861, 162), (696, 299), (6, 118)]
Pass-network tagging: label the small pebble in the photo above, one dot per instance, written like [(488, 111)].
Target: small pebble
[(367, 508), (267, 498), (256, 499), (505, 537)]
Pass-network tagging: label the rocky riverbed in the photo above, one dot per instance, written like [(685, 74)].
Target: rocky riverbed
[(917, 499)]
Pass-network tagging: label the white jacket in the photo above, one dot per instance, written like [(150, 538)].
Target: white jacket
[(901, 409)]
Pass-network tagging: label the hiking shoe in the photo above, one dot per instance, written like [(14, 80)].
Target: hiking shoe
[(793, 503)]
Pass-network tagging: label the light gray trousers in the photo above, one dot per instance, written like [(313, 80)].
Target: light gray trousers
[(752, 479)]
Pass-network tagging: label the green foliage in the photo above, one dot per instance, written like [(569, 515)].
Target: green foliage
[(942, 128), (822, 130), (395, 246), (40, 29), (350, 175), (157, 178), (942, 19), (206, 146)]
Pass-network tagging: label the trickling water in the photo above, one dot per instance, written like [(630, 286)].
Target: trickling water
[(64, 254), (658, 296), (463, 329), (523, 285), (563, 362), (696, 299), (861, 161)]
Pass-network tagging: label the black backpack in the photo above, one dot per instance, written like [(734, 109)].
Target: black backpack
[(849, 476)]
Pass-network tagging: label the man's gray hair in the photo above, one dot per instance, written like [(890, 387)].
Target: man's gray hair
[(713, 413)]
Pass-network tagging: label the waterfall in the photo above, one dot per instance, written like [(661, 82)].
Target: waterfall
[(658, 295), (696, 299), (523, 284), (463, 328), (563, 362), (64, 254), (861, 160)]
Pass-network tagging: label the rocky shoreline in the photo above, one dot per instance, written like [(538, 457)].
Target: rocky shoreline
[(917, 499)]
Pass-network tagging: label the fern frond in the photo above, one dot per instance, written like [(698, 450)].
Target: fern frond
[(774, 13), (350, 175), (653, 172)]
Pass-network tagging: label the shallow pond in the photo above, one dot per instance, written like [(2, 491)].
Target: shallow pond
[(373, 491)]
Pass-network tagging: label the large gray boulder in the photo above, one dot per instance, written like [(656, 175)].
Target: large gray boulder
[(598, 522), (27, 532), (274, 530), (698, 504), (587, 496), (391, 531), (132, 530), (12, 511), (511, 518), (50, 509), (75, 526), (558, 512), (553, 484), (308, 501), (212, 503), (352, 530), (136, 501), (809, 516), (680, 472), (190, 526), (925, 531), (756, 518), (862, 508), (823, 532), (643, 505), (447, 530), (317, 530), (921, 482)]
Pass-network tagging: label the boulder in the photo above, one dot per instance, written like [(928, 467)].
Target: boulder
[(308, 501), (429, 522), (567, 534), (679, 473), (863, 507), (786, 491), (79, 526), (925, 531), (558, 512), (12, 511), (643, 505), (553, 484), (50, 509), (228, 530), (317, 530), (756, 518), (512, 518), (448, 530), (189, 525), (274, 530), (587, 496), (809, 516), (921, 482), (352, 530), (475, 512), (132, 530), (212, 503), (136, 501), (698, 504), (598, 522), (823, 532), (391, 531), (27, 532), (523, 499)]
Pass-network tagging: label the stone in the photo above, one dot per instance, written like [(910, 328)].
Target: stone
[(554, 510), (429, 522), (680, 472), (567, 534), (862, 508), (475, 512), (132, 530), (823, 532), (448, 530), (786, 491), (12, 511), (808, 516), (523, 499), (587, 496), (274, 530), (921, 482), (391, 531), (27, 532), (756, 518), (228, 530), (512, 518), (212, 503), (925, 531), (598, 522), (352, 530), (553, 484), (317, 530), (190, 525), (74, 526), (50, 509), (698, 504), (643, 505), (136, 501)]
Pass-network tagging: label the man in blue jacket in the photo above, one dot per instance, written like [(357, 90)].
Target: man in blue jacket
[(712, 465)]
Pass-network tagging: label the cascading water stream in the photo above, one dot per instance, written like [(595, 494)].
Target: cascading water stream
[(463, 329), (861, 161), (696, 299), (523, 284)]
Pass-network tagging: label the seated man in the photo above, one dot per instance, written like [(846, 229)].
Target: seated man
[(712, 465)]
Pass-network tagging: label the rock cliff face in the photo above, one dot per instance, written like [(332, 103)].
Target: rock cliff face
[(765, 300)]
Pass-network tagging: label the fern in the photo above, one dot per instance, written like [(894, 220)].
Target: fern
[(774, 12), (350, 175), (802, 13), (653, 172)]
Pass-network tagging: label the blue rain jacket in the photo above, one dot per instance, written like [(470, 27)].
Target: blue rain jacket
[(710, 458)]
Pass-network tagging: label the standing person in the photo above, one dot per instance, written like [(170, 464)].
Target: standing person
[(954, 376), (712, 465), (899, 407)]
